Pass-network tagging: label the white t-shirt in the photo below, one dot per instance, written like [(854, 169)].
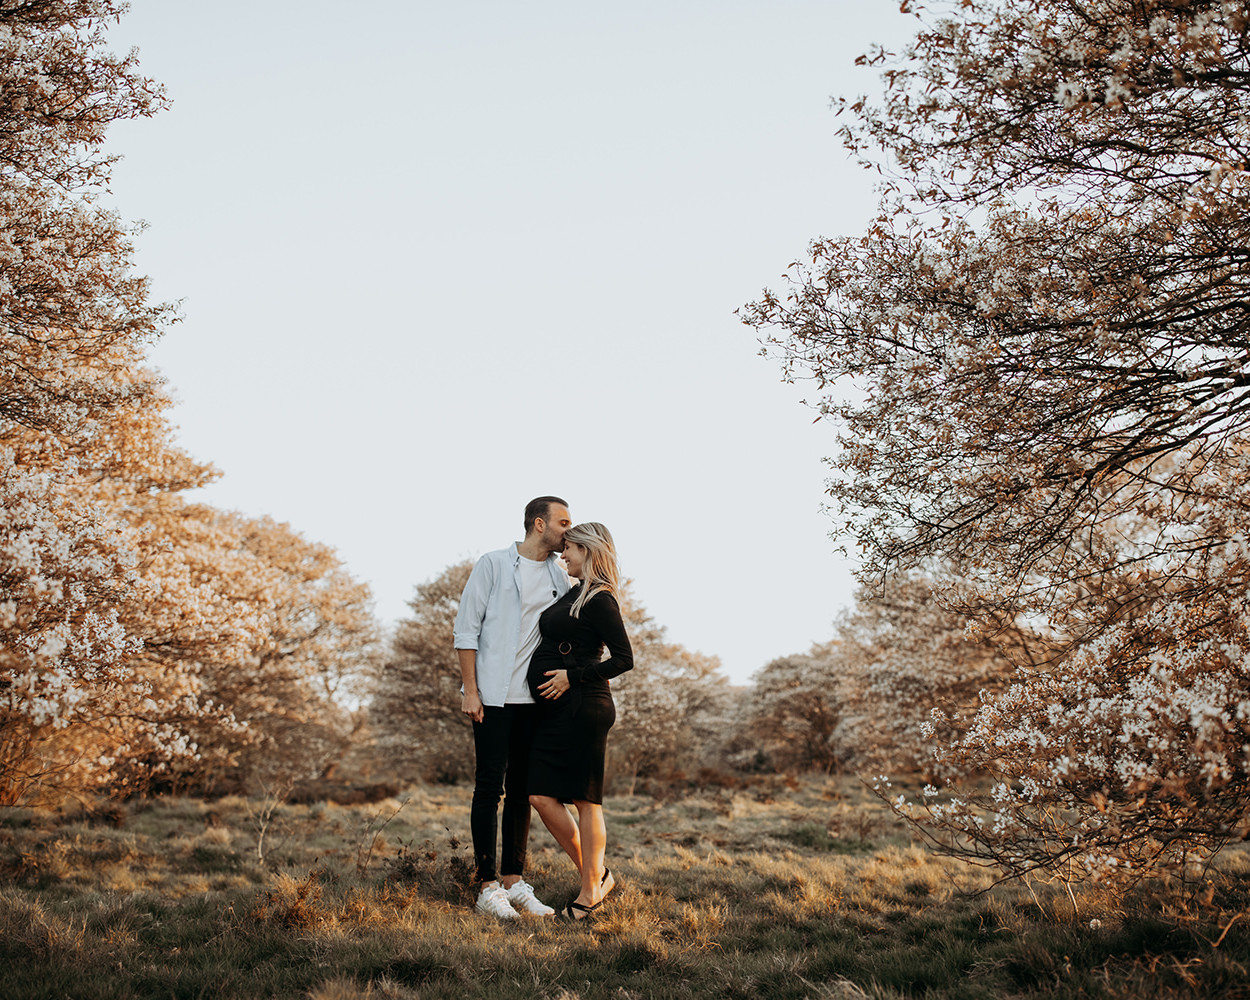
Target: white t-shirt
[(537, 594)]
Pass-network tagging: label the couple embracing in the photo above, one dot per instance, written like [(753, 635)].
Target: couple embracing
[(536, 686)]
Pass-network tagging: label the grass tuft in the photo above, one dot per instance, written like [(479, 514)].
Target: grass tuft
[(447, 875)]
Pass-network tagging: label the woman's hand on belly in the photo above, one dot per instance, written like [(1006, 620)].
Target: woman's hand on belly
[(556, 684)]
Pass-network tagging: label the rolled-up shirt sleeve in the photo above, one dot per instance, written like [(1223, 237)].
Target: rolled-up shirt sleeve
[(468, 627)]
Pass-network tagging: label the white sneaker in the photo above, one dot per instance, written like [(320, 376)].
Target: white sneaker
[(522, 898), (493, 901)]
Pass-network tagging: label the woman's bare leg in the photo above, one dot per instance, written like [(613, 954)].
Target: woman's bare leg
[(594, 840), (557, 818)]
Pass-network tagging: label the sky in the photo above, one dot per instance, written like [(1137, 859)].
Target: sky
[(436, 259)]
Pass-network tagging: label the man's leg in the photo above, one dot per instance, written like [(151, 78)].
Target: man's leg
[(490, 745), (516, 802)]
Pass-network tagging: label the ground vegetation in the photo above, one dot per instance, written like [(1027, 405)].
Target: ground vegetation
[(780, 889)]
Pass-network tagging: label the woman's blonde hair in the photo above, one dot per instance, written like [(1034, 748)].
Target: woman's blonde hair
[(599, 572)]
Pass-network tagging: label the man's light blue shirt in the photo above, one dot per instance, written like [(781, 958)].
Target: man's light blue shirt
[(489, 617)]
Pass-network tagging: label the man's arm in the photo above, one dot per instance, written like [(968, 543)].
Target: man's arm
[(467, 629), (471, 702)]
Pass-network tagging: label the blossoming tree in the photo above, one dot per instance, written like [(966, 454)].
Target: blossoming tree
[(793, 713), (73, 321), (1047, 331), (912, 669), (135, 629)]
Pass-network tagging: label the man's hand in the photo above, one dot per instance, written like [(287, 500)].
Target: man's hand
[(471, 705), (556, 686)]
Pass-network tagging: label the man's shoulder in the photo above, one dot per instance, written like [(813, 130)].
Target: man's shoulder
[(503, 556)]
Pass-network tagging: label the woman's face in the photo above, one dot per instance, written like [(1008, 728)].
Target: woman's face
[(574, 557)]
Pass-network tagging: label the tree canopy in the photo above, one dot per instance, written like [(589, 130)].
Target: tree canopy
[(1037, 358), (136, 629)]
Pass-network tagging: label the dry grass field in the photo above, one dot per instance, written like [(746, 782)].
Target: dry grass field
[(772, 890)]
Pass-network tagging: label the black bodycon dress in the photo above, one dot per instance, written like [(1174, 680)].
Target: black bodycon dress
[(571, 733)]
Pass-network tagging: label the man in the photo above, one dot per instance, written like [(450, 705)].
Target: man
[(496, 633)]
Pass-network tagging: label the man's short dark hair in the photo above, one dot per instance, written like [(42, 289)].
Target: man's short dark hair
[(540, 507)]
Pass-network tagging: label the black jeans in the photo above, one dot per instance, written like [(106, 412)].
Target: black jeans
[(501, 742)]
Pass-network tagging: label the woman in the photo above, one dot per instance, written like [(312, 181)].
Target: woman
[(569, 682)]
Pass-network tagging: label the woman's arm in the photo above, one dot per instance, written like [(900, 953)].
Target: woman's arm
[(603, 614)]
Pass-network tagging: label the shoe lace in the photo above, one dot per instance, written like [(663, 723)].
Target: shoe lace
[(498, 902)]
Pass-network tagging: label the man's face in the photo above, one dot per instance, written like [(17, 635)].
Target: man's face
[(557, 523)]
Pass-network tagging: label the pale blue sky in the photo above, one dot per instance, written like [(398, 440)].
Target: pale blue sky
[(436, 259)]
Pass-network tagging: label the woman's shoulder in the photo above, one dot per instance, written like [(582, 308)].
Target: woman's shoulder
[(604, 599)]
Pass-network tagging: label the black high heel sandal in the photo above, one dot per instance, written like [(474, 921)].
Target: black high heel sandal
[(570, 912)]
